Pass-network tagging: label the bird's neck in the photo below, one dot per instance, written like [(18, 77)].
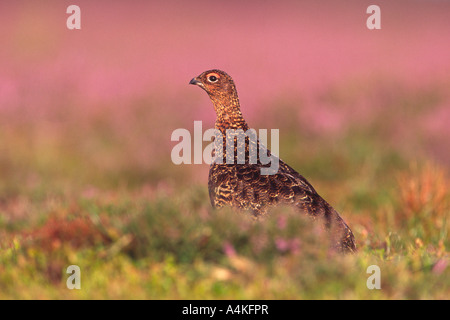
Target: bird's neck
[(229, 115)]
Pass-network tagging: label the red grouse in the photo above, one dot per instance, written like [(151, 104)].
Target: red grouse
[(242, 184)]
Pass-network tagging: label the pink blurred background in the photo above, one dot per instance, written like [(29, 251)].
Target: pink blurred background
[(318, 57)]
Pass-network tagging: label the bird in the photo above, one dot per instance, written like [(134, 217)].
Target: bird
[(243, 186)]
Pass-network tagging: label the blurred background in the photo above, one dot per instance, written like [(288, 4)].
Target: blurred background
[(108, 96), (88, 114)]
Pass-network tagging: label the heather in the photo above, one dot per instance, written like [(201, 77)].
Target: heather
[(85, 171)]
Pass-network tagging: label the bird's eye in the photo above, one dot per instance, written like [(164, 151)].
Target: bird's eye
[(212, 79)]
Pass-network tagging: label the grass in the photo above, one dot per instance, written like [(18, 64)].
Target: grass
[(86, 178), (164, 241)]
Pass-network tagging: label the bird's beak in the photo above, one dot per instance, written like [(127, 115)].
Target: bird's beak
[(196, 82)]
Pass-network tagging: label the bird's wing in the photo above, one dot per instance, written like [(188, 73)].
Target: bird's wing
[(243, 186)]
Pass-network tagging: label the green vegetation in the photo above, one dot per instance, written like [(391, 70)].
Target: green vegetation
[(149, 233)]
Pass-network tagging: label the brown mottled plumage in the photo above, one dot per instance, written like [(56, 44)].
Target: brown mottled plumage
[(243, 186)]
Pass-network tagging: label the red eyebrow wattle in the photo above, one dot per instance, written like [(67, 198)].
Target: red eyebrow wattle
[(213, 74)]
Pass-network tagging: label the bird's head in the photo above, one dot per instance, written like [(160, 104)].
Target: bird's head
[(222, 92), (216, 83)]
